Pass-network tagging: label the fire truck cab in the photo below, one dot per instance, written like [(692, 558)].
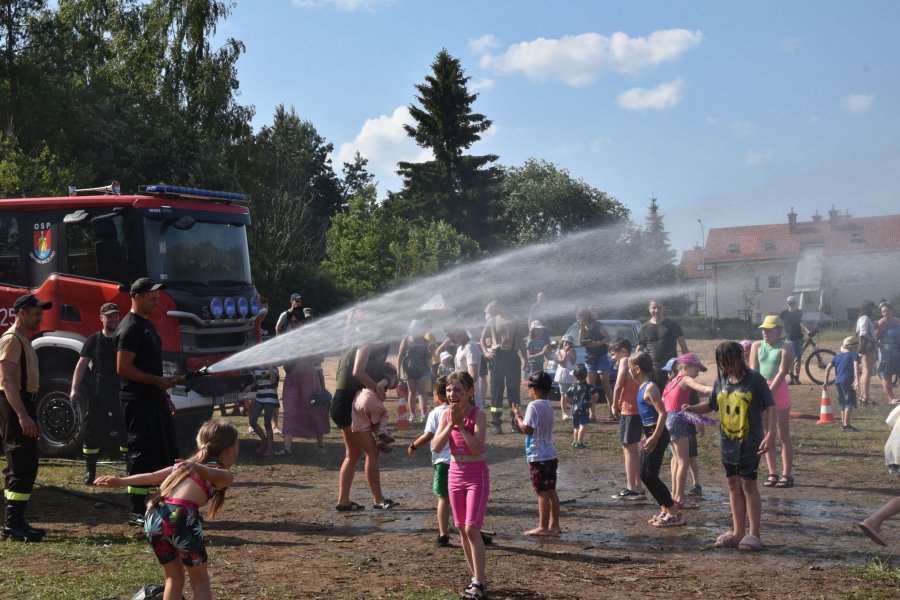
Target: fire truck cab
[(86, 249)]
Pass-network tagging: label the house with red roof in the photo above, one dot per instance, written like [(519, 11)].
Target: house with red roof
[(831, 265)]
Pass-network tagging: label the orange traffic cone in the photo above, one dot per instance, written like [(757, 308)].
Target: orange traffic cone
[(826, 413)]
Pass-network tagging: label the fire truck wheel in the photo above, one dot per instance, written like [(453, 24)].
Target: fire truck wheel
[(61, 421)]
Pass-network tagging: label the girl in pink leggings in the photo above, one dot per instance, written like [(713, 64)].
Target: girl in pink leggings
[(463, 428)]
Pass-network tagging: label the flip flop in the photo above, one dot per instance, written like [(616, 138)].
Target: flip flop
[(352, 507), (873, 535)]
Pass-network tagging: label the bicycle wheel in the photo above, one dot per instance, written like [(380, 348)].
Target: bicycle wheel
[(816, 363)]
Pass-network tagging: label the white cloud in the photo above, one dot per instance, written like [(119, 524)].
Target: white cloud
[(348, 5), (753, 157), (384, 142), (858, 103), (598, 143), (484, 43), (482, 84), (582, 59), (742, 128), (663, 96)]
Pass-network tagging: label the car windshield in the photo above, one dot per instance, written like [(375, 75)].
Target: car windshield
[(206, 253)]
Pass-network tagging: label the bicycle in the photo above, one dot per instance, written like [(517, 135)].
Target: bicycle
[(818, 360)]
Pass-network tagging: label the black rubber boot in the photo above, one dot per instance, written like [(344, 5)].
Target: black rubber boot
[(15, 527), (138, 508), (90, 469)]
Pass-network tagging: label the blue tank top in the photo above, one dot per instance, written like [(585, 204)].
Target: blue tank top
[(649, 416)]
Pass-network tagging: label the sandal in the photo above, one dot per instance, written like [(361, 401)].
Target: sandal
[(771, 480), (352, 507), (385, 505), (475, 590), (727, 540), (670, 520), (786, 481), (655, 518), (684, 504), (750, 543)]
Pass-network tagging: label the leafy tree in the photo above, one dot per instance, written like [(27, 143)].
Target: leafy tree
[(38, 174), (16, 26), (540, 201), (356, 176), (453, 187), (294, 195), (358, 252)]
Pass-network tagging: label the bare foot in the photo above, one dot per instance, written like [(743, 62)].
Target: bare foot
[(874, 533), (555, 531), (538, 531)]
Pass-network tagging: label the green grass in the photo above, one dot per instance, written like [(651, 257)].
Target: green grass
[(118, 567), (879, 570)]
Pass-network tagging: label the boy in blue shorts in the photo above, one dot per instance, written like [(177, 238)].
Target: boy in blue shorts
[(579, 398), (846, 379)]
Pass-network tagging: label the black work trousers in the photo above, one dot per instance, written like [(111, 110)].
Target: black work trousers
[(651, 463), (21, 452), (506, 374), (103, 416)]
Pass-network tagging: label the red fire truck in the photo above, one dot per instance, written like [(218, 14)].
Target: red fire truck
[(86, 249)]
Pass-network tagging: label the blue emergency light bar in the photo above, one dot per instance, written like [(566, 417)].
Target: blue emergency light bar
[(175, 190)]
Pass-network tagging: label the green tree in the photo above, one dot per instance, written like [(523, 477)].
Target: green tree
[(540, 201), (294, 194), (39, 174), (358, 252), (17, 19), (356, 176), (454, 187)]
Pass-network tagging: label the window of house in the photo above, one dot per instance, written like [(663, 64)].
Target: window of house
[(10, 251), (82, 252), (734, 247), (774, 282), (768, 245)]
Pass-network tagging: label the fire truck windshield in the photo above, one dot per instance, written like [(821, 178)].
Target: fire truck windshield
[(205, 253)]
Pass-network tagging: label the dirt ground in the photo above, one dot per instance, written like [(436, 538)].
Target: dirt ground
[(280, 536)]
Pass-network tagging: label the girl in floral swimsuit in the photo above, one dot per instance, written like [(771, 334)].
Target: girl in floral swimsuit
[(173, 523)]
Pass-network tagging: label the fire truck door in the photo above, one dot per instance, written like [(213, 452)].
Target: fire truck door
[(43, 246)]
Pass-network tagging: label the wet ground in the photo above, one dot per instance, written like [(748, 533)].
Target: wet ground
[(280, 537)]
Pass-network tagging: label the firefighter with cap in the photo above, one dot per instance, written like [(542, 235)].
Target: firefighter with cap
[(19, 380), (147, 407), (95, 377)]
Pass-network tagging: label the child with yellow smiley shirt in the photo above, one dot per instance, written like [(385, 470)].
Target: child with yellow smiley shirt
[(744, 402)]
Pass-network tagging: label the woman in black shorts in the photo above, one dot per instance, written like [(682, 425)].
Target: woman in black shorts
[(357, 369)]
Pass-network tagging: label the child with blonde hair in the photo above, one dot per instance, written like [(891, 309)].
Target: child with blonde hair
[(172, 523)]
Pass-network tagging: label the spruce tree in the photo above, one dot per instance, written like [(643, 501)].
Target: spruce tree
[(454, 187)]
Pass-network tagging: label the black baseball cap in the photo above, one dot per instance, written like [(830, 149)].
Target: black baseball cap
[(143, 285), (109, 308), (540, 381), (29, 301), (296, 296)]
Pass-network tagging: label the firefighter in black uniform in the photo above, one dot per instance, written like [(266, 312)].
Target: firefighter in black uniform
[(95, 376), (147, 407), (19, 380)]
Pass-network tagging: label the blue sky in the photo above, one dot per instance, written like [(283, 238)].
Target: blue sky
[(730, 112)]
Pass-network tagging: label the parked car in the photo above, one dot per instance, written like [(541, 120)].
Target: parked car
[(615, 327)]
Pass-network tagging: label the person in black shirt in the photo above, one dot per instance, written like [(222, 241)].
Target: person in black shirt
[(147, 407), (794, 328), (95, 376), (660, 337)]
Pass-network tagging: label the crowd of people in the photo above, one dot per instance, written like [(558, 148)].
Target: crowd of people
[(651, 390)]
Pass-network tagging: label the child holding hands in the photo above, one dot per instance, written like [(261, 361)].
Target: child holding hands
[(172, 523)]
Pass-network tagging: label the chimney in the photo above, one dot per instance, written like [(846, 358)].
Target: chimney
[(792, 221), (833, 216), (817, 218)]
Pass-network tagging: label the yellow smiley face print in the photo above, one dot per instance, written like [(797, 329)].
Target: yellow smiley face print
[(734, 421)]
